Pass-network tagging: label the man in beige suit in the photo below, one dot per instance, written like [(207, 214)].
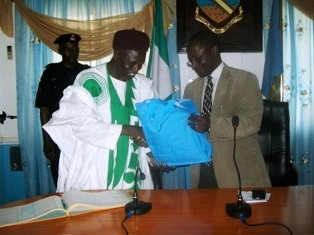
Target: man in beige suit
[(235, 92)]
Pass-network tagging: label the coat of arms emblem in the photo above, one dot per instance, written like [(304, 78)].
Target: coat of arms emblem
[(218, 15)]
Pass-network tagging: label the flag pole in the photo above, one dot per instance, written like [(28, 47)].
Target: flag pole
[(281, 87), (281, 76)]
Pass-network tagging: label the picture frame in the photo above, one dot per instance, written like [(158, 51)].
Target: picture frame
[(246, 35)]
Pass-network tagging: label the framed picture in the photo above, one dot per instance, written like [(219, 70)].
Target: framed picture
[(238, 24)]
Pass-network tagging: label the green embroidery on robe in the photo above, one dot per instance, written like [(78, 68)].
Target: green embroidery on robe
[(120, 114), (93, 87)]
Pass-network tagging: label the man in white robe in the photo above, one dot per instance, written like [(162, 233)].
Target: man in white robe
[(97, 127)]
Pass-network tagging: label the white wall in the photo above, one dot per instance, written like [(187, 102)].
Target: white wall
[(8, 130), (252, 62)]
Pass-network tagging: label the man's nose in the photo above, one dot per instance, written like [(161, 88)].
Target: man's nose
[(136, 67), (192, 64)]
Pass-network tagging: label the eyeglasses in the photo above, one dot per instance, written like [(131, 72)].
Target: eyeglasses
[(199, 60)]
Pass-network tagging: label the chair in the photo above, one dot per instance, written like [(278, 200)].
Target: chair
[(274, 141)]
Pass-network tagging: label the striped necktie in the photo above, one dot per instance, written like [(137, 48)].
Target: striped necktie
[(207, 101)]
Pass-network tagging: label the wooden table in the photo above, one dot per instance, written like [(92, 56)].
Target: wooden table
[(188, 212)]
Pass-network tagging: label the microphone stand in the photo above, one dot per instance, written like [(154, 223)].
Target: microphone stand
[(137, 207), (239, 209)]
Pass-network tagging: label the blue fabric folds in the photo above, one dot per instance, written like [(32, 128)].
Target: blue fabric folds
[(170, 138)]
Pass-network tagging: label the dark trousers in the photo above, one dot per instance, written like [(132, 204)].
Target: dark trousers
[(207, 176), (54, 165)]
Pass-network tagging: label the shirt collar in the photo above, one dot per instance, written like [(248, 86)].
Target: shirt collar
[(217, 72)]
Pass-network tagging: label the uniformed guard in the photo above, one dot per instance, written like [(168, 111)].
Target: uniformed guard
[(55, 78)]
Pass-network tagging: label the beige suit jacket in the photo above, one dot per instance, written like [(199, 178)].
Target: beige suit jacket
[(237, 93)]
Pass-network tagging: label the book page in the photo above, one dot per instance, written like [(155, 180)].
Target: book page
[(46, 208), (80, 201)]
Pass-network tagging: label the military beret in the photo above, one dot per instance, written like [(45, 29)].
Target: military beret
[(67, 38), (131, 39)]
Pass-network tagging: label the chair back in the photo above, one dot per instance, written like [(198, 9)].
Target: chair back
[(274, 141)]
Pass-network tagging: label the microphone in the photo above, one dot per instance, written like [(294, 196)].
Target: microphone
[(137, 207), (235, 122), (239, 209)]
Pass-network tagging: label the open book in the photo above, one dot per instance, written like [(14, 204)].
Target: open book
[(69, 203)]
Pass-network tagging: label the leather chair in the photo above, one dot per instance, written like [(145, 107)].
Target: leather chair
[(274, 141)]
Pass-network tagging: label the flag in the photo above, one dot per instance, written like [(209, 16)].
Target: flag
[(274, 54), (158, 66)]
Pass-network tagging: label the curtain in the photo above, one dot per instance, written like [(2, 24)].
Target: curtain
[(298, 49), (273, 66), (305, 6), (6, 17), (97, 33), (31, 57), (37, 24)]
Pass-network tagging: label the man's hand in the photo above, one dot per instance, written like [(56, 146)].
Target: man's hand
[(136, 133), (161, 167), (139, 140), (49, 149), (199, 123)]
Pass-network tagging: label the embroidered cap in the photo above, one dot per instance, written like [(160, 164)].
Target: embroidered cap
[(131, 39), (67, 38)]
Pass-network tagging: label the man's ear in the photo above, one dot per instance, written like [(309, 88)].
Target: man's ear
[(116, 54)]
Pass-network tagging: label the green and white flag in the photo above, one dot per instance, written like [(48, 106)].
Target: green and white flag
[(158, 66)]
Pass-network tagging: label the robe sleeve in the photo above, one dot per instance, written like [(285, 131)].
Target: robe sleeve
[(78, 118)]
